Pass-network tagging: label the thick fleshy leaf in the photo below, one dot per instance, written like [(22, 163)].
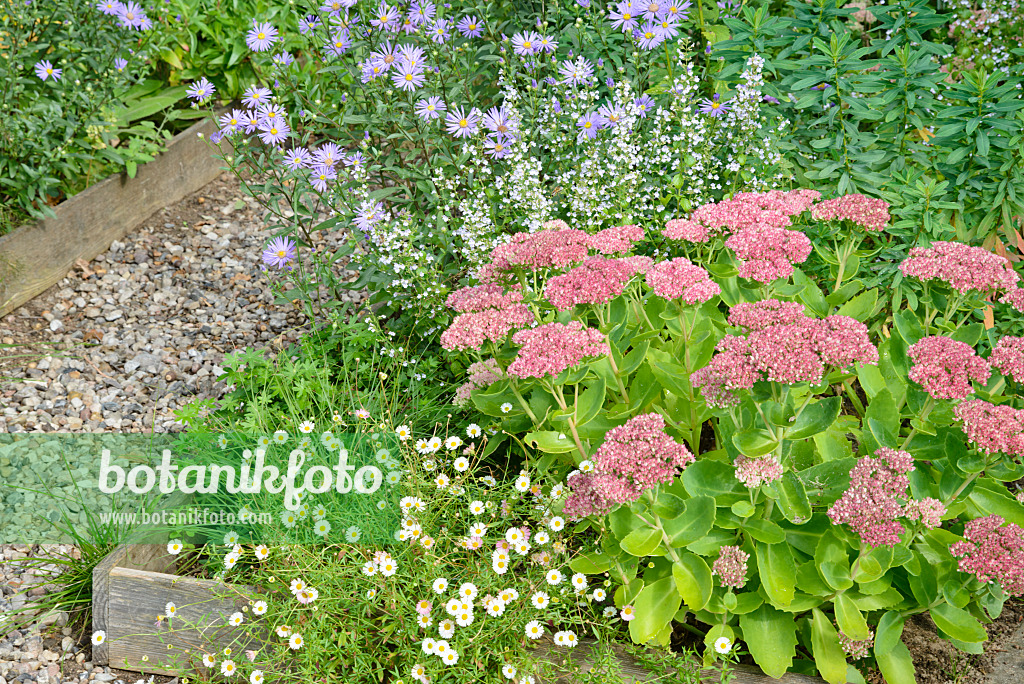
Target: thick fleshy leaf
[(829, 657), (815, 418), (655, 606), (777, 570), (693, 523), (896, 665), (770, 636), (693, 581), (642, 541), (958, 623), (849, 618)]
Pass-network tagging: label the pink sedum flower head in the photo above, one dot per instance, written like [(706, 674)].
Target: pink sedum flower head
[(1008, 357), (585, 498), (993, 552), (867, 212), (542, 250), (685, 229), (745, 210), (857, 649), (871, 505), (471, 330), (992, 428), (767, 252), (554, 347), (595, 281), (481, 297), (944, 367), (681, 279), (636, 456), (479, 375), (754, 472), (1014, 298), (963, 267), (731, 567), (617, 240), (928, 510)]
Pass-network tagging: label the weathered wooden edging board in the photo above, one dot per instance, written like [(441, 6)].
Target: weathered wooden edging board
[(35, 256), (128, 595), (131, 587)]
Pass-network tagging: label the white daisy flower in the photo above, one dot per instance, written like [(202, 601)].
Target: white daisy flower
[(235, 619), (554, 577), (579, 582), (450, 657), (599, 594), (403, 432), (509, 671), (446, 629), (468, 591), (506, 407), (442, 481), (295, 642), (352, 534), (478, 529), (440, 585), (473, 431), (722, 645), (222, 442), (461, 464), (174, 547), (228, 668), (256, 677), (283, 631), (280, 436), (523, 483), (586, 467), (534, 630), (453, 442), (98, 637), (540, 600), (541, 538), (321, 528), (289, 519), (209, 660), (464, 619), (259, 608), (306, 427), (388, 567), (557, 524)]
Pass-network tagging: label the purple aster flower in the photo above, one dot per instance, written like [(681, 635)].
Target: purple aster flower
[(422, 12), (666, 28), (296, 159), (769, 98), (120, 64), (644, 103), (369, 215), (261, 36), (610, 115), (588, 124), (341, 41), (108, 7), (462, 125), (45, 70), (320, 176), (231, 121), (576, 73), (470, 27), (412, 55), (610, 82), (386, 17), (714, 107), (217, 136), (273, 132), (556, 107), (334, 7), (650, 37), (251, 121), (498, 146), (370, 70), (131, 16), (497, 119), (309, 23), (255, 95), (328, 154), (546, 44), (707, 50), (279, 253), (585, 4), (408, 25), (525, 43), (675, 10), (385, 56), (283, 59), (201, 91), (439, 32), (430, 108), (355, 160), (651, 8), (408, 77), (624, 17)]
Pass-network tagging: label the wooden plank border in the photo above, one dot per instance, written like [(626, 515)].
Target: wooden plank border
[(35, 256)]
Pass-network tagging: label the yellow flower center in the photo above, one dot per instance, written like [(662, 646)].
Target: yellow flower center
[(627, 16), (408, 77), (281, 253), (715, 105), (587, 125), (430, 108), (472, 27), (527, 44), (49, 71), (261, 35), (463, 123)]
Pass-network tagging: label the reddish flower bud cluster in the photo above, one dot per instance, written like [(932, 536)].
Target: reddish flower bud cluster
[(1008, 357), (585, 498), (471, 330), (768, 252), (554, 248), (480, 297), (944, 367), (746, 209), (731, 567), (993, 428), (871, 505), (963, 267), (754, 472), (928, 510), (681, 279), (867, 212), (857, 649), (595, 281), (636, 456), (551, 348), (481, 374), (993, 552), (782, 345), (1014, 298), (616, 240)]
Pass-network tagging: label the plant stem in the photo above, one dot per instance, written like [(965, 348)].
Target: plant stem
[(615, 370), (522, 402)]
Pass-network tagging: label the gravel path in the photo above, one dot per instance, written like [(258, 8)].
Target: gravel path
[(117, 346)]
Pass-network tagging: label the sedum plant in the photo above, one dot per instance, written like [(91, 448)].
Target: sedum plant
[(784, 461)]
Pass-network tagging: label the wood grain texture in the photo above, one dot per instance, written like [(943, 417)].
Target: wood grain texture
[(632, 672), (127, 601), (35, 256)]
